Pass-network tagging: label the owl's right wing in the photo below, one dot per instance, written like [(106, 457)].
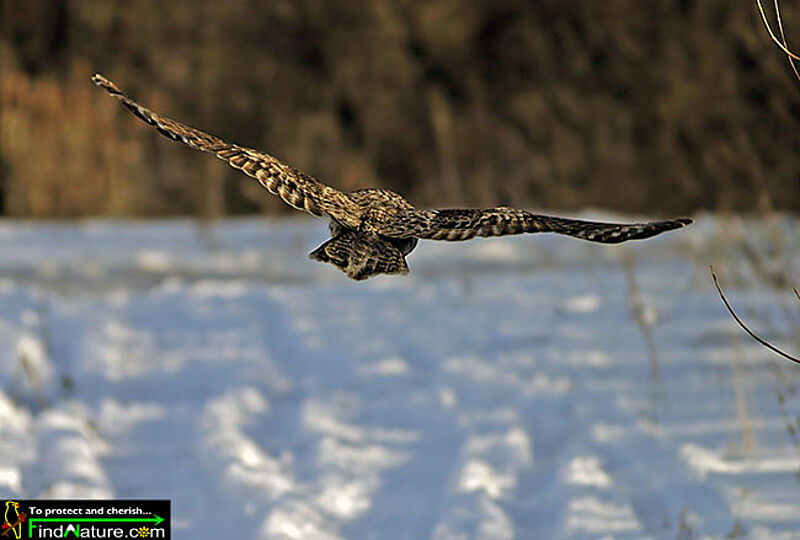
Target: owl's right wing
[(296, 189), (463, 224)]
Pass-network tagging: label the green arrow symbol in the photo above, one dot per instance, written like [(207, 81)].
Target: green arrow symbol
[(155, 520)]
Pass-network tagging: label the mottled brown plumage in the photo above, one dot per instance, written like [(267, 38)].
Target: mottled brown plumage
[(372, 230)]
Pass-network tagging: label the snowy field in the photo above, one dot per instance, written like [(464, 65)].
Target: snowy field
[(525, 387)]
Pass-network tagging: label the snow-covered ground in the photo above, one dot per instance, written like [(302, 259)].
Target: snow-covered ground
[(525, 387)]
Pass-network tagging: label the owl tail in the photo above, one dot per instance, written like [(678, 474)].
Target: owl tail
[(361, 256)]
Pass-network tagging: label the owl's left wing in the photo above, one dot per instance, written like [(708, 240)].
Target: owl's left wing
[(463, 224)]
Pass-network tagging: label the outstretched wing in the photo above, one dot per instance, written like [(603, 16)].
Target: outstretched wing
[(453, 225), (298, 190)]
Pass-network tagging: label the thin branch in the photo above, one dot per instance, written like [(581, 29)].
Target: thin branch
[(744, 326), (772, 34), (797, 293), (658, 388), (783, 38)]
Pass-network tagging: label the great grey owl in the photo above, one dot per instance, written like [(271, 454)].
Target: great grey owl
[(372, 230)]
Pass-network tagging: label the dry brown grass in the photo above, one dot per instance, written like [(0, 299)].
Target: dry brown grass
[(650, 108), (64, 151)]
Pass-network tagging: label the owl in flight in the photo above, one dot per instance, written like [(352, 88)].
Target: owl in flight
[(372, 230)]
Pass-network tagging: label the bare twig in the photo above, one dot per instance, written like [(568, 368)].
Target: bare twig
[(744, 326), (783, 38), (638, 306), (783, 46), (783, 43), (739, 388)]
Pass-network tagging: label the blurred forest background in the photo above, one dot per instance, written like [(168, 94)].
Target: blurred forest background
[(657, 107)]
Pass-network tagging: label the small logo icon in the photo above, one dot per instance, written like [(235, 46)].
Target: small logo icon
[(12, 521)]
